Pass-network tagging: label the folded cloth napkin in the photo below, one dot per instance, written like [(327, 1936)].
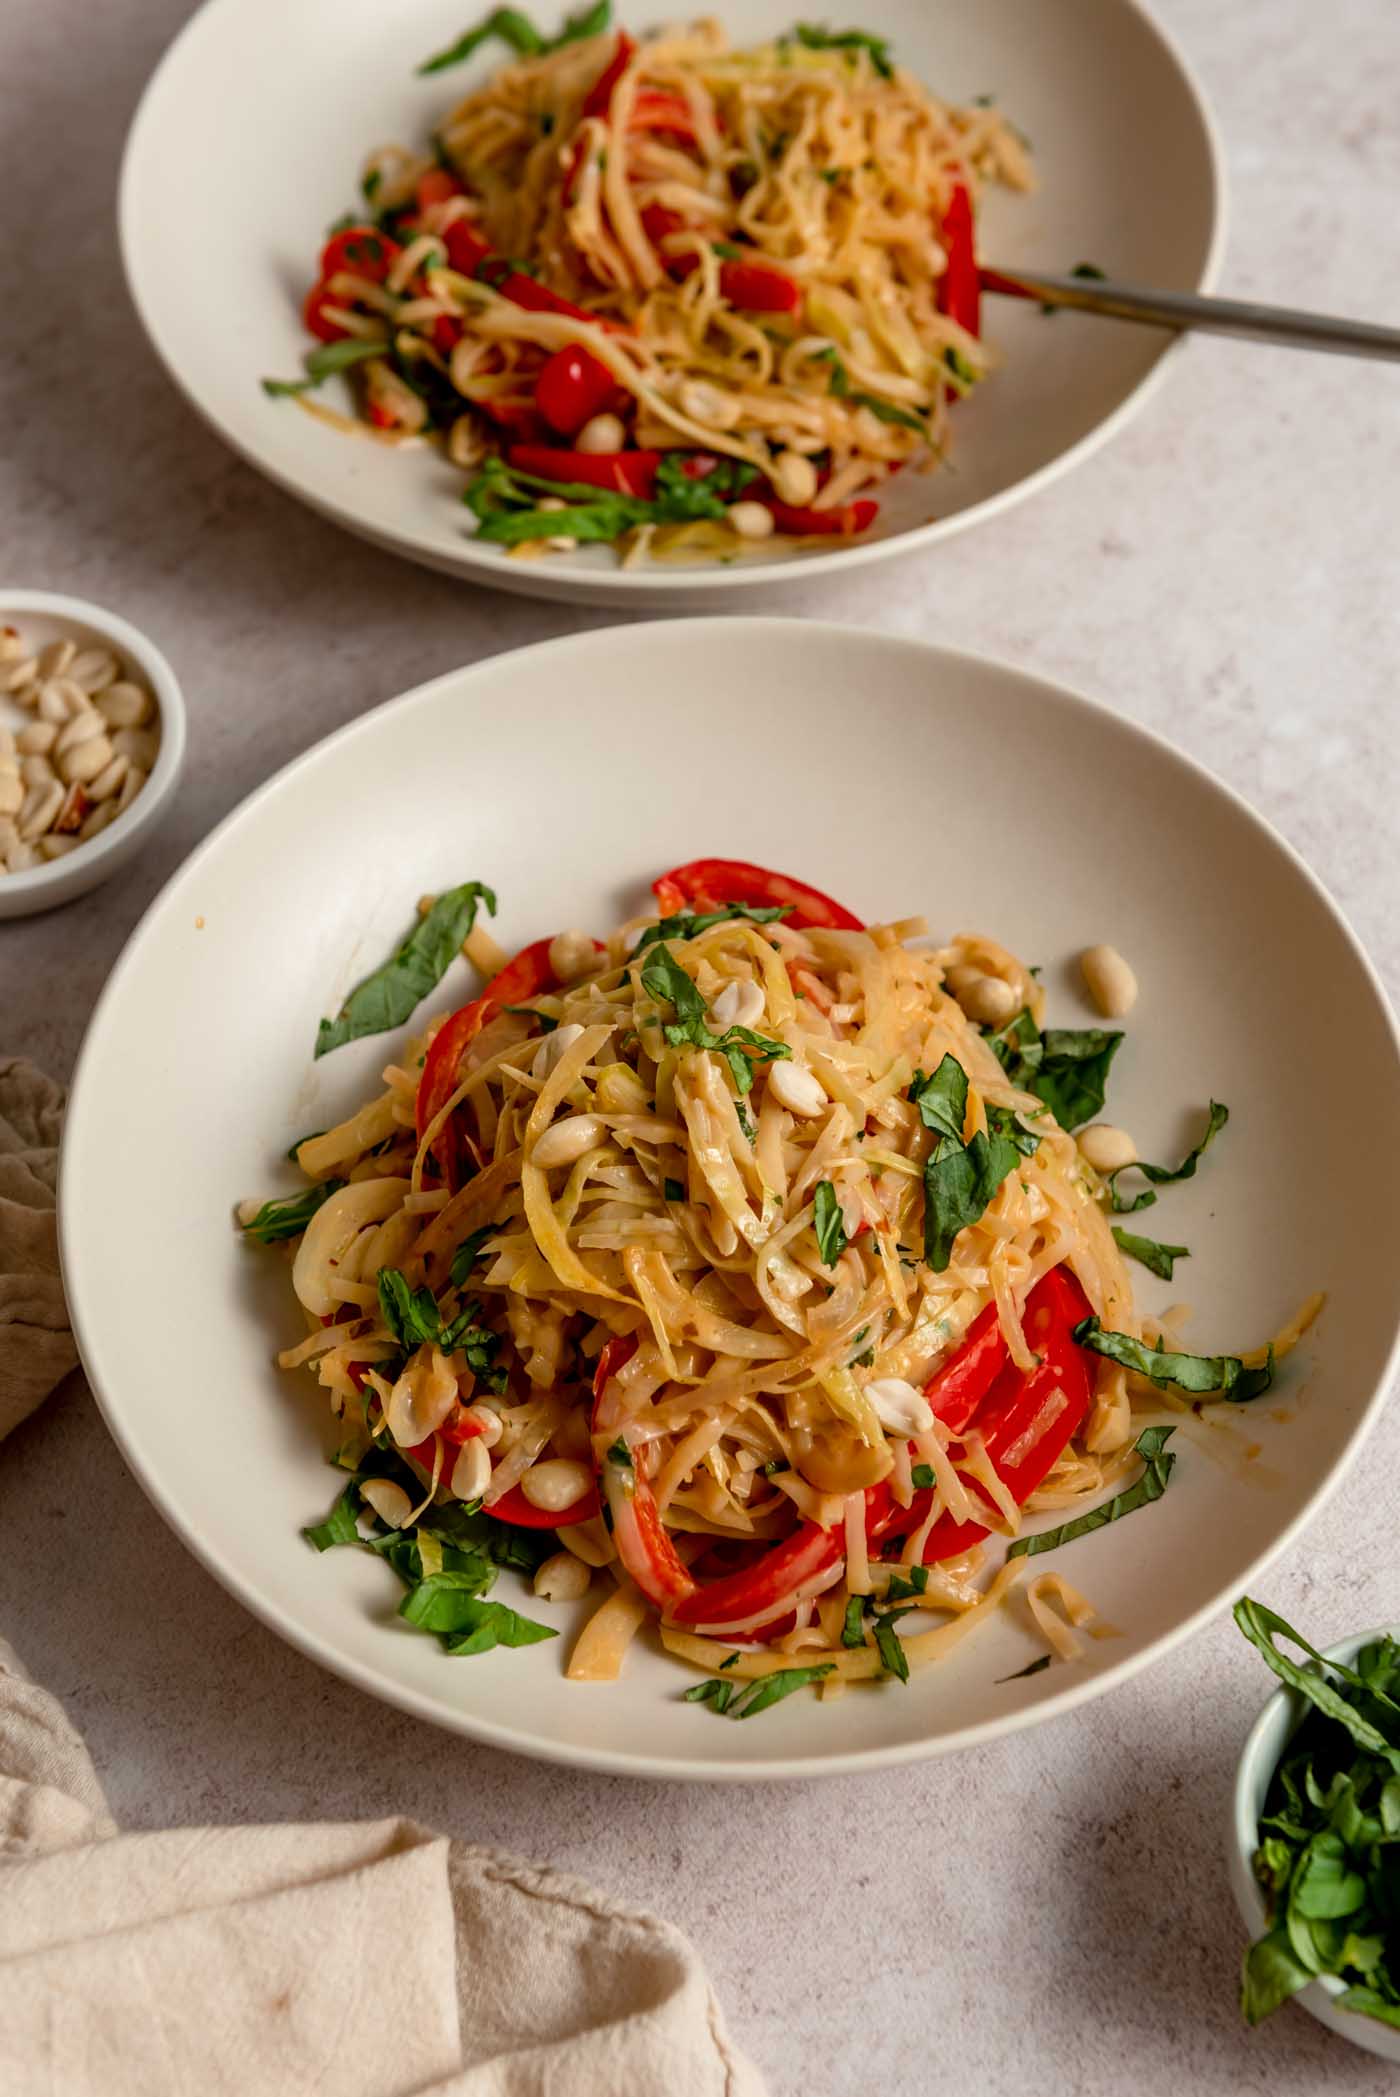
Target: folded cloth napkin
[(370, 1960)]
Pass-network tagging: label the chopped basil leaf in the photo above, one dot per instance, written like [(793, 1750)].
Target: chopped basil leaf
[(339, 1526), (960, 1179), (289, 1217), (293, 1148), (733, 1659), (450, 1604), (620, 1454), (1165, 1175), (726, 251), (664, 979), (885, 411), (673, 1190), (1003, 1121), (1151, 1447), (1032, 1667), (1159, 1258), (771, 1689), (469, 1252), (890, 1646), (517, 30), (815, 36), (391, 995), (712, 1691), (921, 1476), (506, 502), (687, 925), (900, 1589), (828, 1223), (744, 1121), (1066, 1067), (411, 1315), (853, 1628), (1222, 1373), (547, 1024), (960, 369), (323, 363), (942, 1098)]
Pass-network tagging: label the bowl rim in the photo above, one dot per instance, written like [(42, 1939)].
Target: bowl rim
[(468, 561), (170, 757), (1269, 1735), (693, 1769)]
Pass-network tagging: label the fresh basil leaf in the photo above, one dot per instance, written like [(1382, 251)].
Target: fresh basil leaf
[(323, 363), (391, 995), (620, 1454), (815, 36), (1271, 1974), (890, 1646), (711, 1691), (469, 1252), (1158, 1258), (853, 1625), (686, 924), (828, 1223), (959, 1182), (1367, 2002), (921, 1476), (1224, 1374), (942, 1098), (1324, 1885), (1004, 1121), (1065, 1067), (899, 1588), (288, 1217), (672, 1190), (450, 1604), (1032, 1667), (742, 1115), (733, 1660), (664, 979), (465, 1528), (771, 1689), (339, 1526), (519, 32), (411, 1315), (1164, 1175), (1150, 1446), (1261, 1626), (506, 502), (309, 1137)]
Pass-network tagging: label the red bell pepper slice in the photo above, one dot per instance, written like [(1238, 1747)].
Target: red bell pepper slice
[(960, 287), (447, 333), (957, 1389), (845, 522), (706, 883), (436, 187), (316, 320), (572, 387), (617, 1352), (466, 250), (363, 251), (521, 979), (621, 472), (513, 1507), (657, 109), (760, 288), (659, 222), (600, 94)]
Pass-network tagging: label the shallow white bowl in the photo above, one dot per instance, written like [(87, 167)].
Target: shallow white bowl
[(43, 616), (892, 774), (218, 261), (1260, 1757)]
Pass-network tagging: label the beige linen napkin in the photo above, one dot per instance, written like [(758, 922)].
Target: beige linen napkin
[(370, 1960)]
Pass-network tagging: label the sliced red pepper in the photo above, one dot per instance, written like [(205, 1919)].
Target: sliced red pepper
[(447, 333), (361, 251), (759, 287), (520, 980), (436, 187), (466, 250), (621, 472), (659, 222), (572, 387), (959, 288), (600, 94), (316, 320), (513, 1507), (380, 416), (516, 414), (957, 1389), (706, 883), (617, 1352), (844, 522), (538, 298), (657, 109)]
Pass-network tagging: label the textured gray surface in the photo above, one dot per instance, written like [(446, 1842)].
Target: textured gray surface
[(1052, 1913)]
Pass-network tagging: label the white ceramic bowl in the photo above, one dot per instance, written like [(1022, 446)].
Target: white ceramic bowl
[(1263, 1750), (568, 775), (218, 261), (43, 616)]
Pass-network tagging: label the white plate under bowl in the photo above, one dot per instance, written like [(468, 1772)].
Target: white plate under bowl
[(267, 112), (900, 777)]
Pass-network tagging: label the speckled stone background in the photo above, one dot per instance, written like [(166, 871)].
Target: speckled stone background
[(1052, 1913)]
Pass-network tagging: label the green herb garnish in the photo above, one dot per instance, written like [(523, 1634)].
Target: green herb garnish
[(960, 1179), (1032, 1667), (1223, 1375), (921, 1477), (686, 924), (469, 1252), (664, 979), (289, 1217), (390, 996), (1165, 1175), (1151, 1446), (506, 502), (673, 1190), (756, 1696), (828, 1223), (519, 32), (1158, 1258), (323, 363), (815, 36), (1065, 1067), (884, 410)]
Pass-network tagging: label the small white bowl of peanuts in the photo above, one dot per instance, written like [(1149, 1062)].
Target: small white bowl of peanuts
[(92, 739)]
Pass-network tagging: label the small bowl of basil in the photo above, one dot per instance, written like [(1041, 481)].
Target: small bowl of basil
[(1314, 1838)]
